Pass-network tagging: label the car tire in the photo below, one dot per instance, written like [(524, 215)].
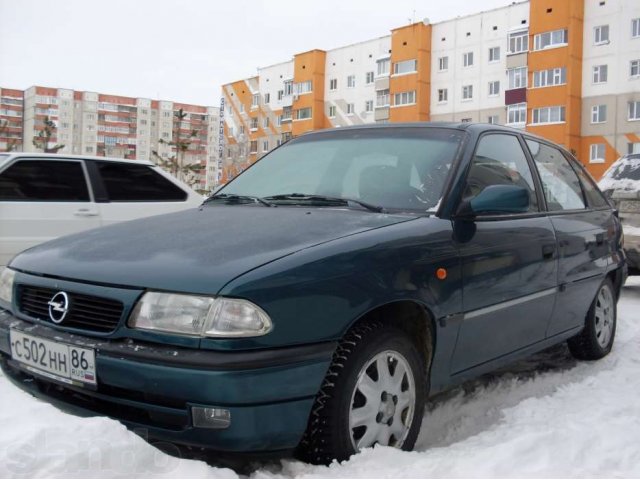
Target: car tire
[(393, 407), (596, 339)]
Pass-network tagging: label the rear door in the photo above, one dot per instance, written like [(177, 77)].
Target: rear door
[(508, 260), (585, 233), (128, 191), (41, 199)]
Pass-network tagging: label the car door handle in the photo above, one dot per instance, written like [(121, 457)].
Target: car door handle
[(548, 250), (85, 212)]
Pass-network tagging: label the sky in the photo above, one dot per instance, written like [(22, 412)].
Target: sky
[(185, 50)]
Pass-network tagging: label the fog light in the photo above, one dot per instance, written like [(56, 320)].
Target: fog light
[(209, 417)]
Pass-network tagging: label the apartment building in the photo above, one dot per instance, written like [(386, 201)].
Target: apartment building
[(11, 102), (91, 123), (566, 70)]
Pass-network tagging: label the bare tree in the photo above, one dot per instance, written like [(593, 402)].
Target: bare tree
[(11, 144), (43, 138)]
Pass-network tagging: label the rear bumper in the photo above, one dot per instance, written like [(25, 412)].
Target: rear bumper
[(152, 388)]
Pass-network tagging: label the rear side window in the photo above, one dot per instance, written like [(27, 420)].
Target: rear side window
[(137, 183), (595, 198), (44, 181), (561, 185)]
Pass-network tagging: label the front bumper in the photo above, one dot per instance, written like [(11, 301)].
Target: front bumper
[(151, 388)]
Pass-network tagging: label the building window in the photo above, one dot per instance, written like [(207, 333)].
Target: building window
[(443, 64), (255, 100), (288, 88), (265, 145), (351, 81), (368, 106), (555, 38), (598, 114), (551, 77), (635, 68), (517, 77), (597, 153), (494, 54), (240, 130), (494, 88), (242, 108), (351, 108), (383, 66), (443, 95), (467, 92), (333, 84), (303, 113), (332, 111), (404, 98), (600, 73), (369, 78), (382, 98), (633, 147), (517, 114), (493, 119), (279, 120), (265, 122), (88, 149), (635, 28), (634, 110), (280, 94), (547, 115), (253, 147), (254, 123), (267, 98), (601, 34), (408, 66), (467, 59), (303, 87), (519, 41)]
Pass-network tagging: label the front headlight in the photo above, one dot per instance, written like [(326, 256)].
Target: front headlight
[(199, 316), (6, 285)]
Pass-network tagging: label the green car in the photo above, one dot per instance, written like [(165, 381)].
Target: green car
[(313, 303)]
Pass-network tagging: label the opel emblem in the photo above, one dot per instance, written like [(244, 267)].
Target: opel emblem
[(58, 307)]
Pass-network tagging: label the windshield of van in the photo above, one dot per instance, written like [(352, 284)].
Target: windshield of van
[(393, 169)]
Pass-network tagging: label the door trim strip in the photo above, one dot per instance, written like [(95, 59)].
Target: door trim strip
[(509, 303)]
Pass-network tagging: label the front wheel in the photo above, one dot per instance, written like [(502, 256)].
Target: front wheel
[(596, 339), (374, 394)]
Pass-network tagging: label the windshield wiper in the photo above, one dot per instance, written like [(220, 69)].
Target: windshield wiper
[(325, 198), (233, 197)]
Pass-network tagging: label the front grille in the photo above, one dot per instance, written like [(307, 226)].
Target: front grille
[(86, 312)]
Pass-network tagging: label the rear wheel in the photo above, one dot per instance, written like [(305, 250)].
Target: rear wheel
[(374, 394), (596, 339)]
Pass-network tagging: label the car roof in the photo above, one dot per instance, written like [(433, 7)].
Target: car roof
[(58, 156)]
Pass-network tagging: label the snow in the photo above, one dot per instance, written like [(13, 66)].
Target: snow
[(631, 230), (622, 175), (546, 416)]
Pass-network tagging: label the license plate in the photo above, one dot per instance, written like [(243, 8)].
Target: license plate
[(59, 361)]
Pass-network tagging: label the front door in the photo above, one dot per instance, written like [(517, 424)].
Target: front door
[(41, 199), (508, 261)]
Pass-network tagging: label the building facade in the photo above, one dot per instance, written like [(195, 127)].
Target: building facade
[(11, 116), (91, 123), (566, 70)]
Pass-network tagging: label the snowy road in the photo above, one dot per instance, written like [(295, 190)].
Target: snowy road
[(547, 416)]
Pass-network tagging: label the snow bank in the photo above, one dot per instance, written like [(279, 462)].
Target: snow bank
[(546, 416)]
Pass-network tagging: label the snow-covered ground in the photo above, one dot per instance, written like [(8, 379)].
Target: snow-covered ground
[(547, 416)]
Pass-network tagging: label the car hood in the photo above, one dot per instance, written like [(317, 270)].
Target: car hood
[(197, 250)]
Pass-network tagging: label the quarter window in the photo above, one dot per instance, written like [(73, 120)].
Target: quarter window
[(560, 182), (500, 160), (44, 181), (137, 183)]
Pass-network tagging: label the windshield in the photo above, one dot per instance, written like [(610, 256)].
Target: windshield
[(395, 168), (624, 174)]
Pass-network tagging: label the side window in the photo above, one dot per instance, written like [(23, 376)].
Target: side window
[(44, 181), (561, 185), (595, 198), (137, 183), (500, 160)]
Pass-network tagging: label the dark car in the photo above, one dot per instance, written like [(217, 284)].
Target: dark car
[(317, 300)]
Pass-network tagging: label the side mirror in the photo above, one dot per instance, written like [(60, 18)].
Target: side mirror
[(496, 199)]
